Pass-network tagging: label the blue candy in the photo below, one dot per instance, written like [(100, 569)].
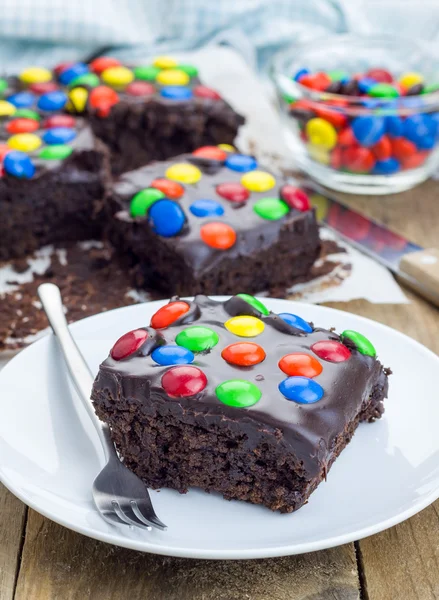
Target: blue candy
[(300, 74), (301, 390), (366, 83), (394, 126), (368, 130), (206, 208), (166, 218), (52, 101), (19, 165), (59, 135), (421, 130), (241, 163), (386, 167), (172, 355), (176, 92), (22, 99), (73, 72), (296, 321)]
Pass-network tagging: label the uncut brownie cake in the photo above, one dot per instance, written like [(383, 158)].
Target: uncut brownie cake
[(232, 398), (212, 221)]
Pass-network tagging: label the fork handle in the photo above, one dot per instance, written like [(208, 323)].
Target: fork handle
[(82, 378)]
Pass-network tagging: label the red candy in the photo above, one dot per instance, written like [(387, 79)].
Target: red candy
[(243, 354), (140, 88), (128, 344), (218, 235), (380, 75), (201, 91), (402, 148), (62, 67), (382, 150), (59, 121), (43, 87), (22, 126), (180, 382), (347, 138), (168, 314), (415, 160), (102, 98), (234, 192), (295, 198), (331, 351), (298, 364), (336, 118), (359, 160), (171, 189), (315, 81), (337, 158), (210, 152), (103, 62)]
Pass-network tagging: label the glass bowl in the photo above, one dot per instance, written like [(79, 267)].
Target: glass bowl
[(357, 143)]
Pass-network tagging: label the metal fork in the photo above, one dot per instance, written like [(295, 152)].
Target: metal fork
[(119, 495)]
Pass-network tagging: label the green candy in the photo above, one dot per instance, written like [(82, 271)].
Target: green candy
[(383, 90), (89, 79), (143, 200), (197, 338), (188, 69), (148, 73), (3, 85), (26, 113), (56, 152), (238, 393), (361, 343), (289, 99), (337, 75), (255, 303), (429, 89), (271, 208)]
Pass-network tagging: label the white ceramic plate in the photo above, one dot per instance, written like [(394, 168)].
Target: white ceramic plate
[(389, 472)]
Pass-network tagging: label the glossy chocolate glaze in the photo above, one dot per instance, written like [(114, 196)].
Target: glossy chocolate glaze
[(254, 234), (309, 430)]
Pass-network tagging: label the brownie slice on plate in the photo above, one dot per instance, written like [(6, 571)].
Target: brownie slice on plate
[(229, 397), (212, 222)]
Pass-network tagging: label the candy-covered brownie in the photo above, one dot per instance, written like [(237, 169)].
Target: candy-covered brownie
[(213, 222), (53, 172), (232, 398)]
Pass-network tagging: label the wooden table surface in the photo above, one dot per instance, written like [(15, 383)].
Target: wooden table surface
[(40, 560)]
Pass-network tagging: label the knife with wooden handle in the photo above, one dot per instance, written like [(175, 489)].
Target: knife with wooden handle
[(413, 265)]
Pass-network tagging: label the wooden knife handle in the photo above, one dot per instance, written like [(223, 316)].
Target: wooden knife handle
[(422, 269)]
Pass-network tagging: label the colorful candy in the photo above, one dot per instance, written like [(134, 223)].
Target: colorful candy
[(271, 209), (19, 165), (170, 189), (218, 235), (210, 153), (89, 80), (146, 73), (59, 121), (331, 351), (245, 326), (103, 62), (140, 88), (241, 163), (24, 142), (296, 322), (234, 192), (300, 364), (172, 77), (301, 390), (117, 77), (181, 382), (176, 92), (143, 200), (172, 355), (362, 344), (238, 393), (321, 133), (206, 208), (197, 338), (167, 315), (184, 173), (77, 100), (59, 135), (202, 91), (22, 99), (52, 101), (57, 152), (128, 344), (368, 130), (386, 167), (166, 218), (243, 354), (6, 108), (43, 88), (35, 75), (295, 198), (255, 303), (102, 98), (73, 71), (22, 126), (258, 181)]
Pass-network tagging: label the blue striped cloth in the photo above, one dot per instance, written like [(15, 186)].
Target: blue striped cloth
[(51, 31)]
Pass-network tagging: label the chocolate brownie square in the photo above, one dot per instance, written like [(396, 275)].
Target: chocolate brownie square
[(231, 398), (212, 222)]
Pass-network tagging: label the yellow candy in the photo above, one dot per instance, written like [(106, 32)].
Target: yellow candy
[(25, 142), (226, 147), (184, 173), (172, 77), (77, 100), (117, 76), (258, 181), (409, 79), (6, 109), (320, 203), (35, 75), (164, 62), (245, 326), (321, 133), (319, 154)]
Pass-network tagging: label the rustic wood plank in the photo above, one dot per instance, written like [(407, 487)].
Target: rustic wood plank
[(59, 564), (12, 522)]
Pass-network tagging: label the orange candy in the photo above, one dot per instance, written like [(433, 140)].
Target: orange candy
[(103, 98), (22, 126), (168, 314), (171, 189), (103, 62), (218, 235), (243, 354), (210, 152), (300, 364)]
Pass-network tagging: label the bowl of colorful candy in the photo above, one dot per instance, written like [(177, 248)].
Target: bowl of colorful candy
[(361, 114)]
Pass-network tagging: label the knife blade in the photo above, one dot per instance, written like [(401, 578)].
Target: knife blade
[(410, 263)]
